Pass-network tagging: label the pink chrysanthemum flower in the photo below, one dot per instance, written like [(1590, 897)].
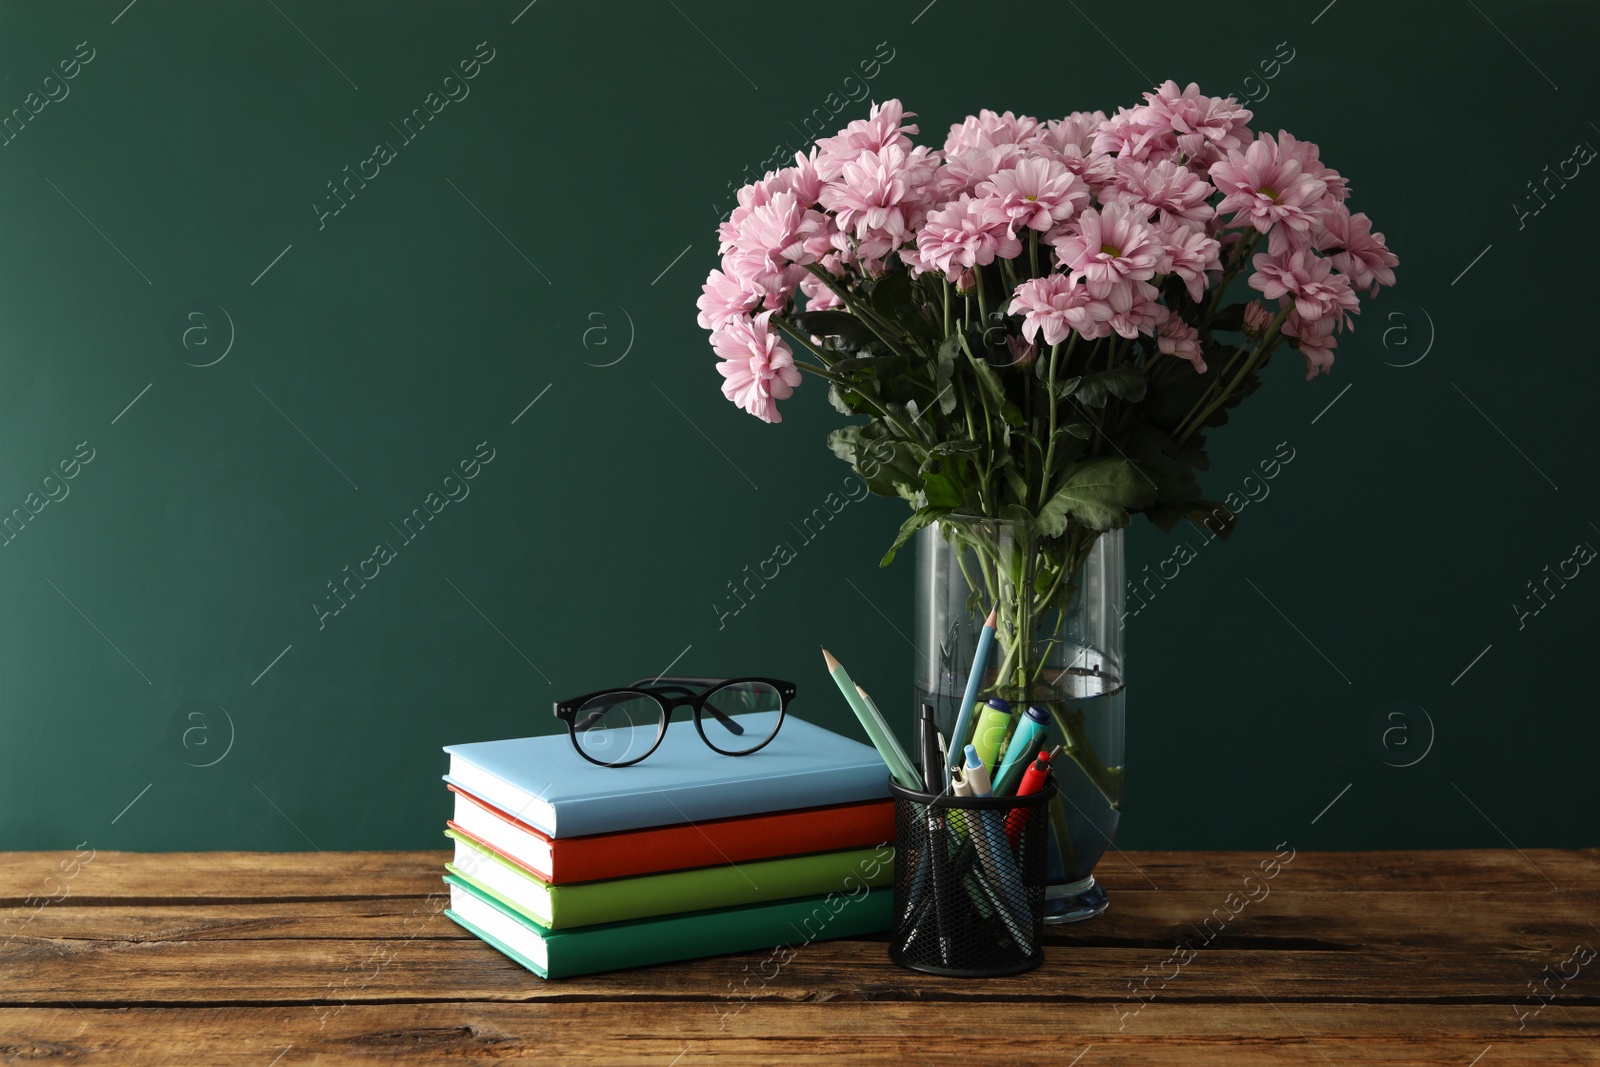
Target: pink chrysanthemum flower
[(1037, 194), (963, 172), (1077, 131), (1315, 339), (1174, 337), (1095, 169), (1355, 250), (1135, 309), (1270, 191), (885, 126), (783, 230), (966, 233), (878, 199), (818, 296), (1055, 305), (757, 366), (1318, 291), (726, 297), (750, 197), (987, 129), (1189, 254), (1256, 319), (802, 179), (1177, 192), (1207, 128), (1308, 155), (754, 270), (1108, 246), (1128, 135), (1023, 352)]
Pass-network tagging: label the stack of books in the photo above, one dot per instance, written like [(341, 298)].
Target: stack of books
[(570, 868)]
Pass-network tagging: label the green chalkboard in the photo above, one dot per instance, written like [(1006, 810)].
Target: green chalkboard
[(352, 404)]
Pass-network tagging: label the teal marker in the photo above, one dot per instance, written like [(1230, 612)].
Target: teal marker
[(1024, 739)]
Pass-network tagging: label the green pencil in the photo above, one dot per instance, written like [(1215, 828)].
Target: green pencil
[(877, 730)]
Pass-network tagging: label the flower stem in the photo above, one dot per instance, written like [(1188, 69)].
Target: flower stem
[(1198, 417), (1050, 398), (865, 315)]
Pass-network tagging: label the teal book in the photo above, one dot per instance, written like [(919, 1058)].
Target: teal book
[(543, 782), (784, 924)]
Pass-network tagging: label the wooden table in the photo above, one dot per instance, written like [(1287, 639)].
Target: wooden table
[(280, 959)]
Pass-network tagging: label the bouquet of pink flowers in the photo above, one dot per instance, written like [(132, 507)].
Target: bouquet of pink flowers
[(1032, 319)]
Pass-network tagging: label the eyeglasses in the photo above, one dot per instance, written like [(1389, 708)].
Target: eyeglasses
[(620, 727)]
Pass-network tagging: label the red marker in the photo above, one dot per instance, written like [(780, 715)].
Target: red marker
[(1033, 780)]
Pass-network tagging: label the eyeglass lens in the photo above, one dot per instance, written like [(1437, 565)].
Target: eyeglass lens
[(616, 728), (750, 702)]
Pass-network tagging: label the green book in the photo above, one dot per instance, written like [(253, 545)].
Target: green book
[(560, 907), (783, 926)]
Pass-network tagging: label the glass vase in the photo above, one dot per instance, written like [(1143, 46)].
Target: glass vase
[(1058, 645)]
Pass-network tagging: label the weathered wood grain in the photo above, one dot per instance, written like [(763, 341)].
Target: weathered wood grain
[(325, 970), (1287, 918), (856, 1033), (1392, 958), (133, 877)]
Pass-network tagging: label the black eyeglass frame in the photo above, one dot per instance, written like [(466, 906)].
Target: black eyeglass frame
[(670, 694)]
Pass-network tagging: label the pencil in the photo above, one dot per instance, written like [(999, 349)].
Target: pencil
[(980, 660), (877, 730)]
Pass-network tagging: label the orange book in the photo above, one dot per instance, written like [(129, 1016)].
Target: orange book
[(562, 861)]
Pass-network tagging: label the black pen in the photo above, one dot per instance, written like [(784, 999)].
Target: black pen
[(932, 762)]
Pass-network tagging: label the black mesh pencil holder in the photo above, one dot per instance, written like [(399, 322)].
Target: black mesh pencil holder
[(969, 878)]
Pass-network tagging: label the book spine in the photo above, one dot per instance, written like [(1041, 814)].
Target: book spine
[(780, 927), (743, 840), (583, 816)]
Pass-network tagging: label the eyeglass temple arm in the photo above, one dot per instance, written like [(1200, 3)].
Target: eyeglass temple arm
[(677, 680), (597, 713)]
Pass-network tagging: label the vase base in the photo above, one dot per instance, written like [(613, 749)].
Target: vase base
[(1074, 902)]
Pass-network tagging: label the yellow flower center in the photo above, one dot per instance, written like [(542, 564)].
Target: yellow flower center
[(1110, 250), (1271, 194)]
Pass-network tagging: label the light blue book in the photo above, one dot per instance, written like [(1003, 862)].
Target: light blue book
[(546, 784)]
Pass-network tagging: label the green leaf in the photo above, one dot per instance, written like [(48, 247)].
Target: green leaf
[(836, 323), (887, 465), (1097, 494), (1070, 444), (1213, 517), (1016, 513), (1064, 387), (1127, 382), (1015, 482), (888, 290), (944, 374), (845, 401), (919, 518), (939, 491), (1229, 318), (988, 380), (1160, 458), (951, 448)]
